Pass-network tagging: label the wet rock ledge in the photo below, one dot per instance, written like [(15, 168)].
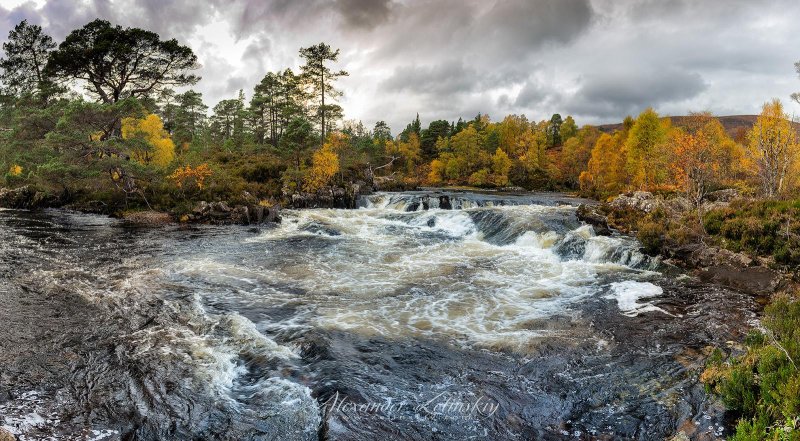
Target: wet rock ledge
[(710, 263)]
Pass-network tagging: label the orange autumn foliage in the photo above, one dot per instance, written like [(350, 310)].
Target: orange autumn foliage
[(189, 177)]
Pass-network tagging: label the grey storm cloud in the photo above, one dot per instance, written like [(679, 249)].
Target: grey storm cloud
[(620, 93), (363, 14), (447, 78), (598, 60)]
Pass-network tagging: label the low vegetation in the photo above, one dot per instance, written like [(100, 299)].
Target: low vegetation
[(762, 384), (759, 227)]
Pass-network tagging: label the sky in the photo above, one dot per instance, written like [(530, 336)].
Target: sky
[(598, 60)]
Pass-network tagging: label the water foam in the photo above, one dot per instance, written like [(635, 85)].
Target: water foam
[(478, 276), (628, 293)]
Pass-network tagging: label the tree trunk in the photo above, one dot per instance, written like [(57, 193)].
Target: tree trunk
[(322, 108)]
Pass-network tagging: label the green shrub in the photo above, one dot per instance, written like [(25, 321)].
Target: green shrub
[(760, 228), (763, 384), (651, 235)]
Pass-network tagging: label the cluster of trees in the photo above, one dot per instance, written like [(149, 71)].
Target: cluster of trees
[(697, 156), (109, 112), (694, 156), (99, 114), (489, 154)]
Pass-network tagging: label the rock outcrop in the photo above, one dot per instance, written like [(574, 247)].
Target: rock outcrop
[(707, 262), (26, 198), (222, 213), (638, 200), (727, 268), (329, 197), (592, 216)]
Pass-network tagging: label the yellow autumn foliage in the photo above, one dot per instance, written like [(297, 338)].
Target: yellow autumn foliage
[(325, 165), (161, 149), (774, 147), (15, 170)]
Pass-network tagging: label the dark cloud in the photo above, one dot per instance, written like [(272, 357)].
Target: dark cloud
[(611, 94), (531, 94), (448, 78), (518, 27), (363, 14), (175, 19), (62, 16)]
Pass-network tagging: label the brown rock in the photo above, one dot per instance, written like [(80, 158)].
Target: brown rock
[(148, 218), (5, 435)]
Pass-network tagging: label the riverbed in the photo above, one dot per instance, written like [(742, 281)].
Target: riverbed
[(497, 316)]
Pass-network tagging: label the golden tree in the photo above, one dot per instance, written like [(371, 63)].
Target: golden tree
[(324, 166), (407, 151), (188, 177), (774, 148), (501, 165), (157, 147), (605, 172), (646, 159)]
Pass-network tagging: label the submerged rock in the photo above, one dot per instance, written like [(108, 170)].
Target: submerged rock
[(329, 197), (5, 435)]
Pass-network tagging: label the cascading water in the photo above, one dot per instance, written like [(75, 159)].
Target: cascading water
[(502, 317)]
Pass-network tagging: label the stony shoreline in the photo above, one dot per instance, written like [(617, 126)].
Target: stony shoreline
[(758, 276)]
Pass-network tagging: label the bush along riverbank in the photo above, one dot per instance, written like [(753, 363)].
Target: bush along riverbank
[(752, 245)]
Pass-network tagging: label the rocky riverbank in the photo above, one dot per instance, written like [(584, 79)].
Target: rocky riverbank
[(647, 216), (250, 212), (246, 210)]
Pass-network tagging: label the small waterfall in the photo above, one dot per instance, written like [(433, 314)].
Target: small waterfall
[(451, 200)]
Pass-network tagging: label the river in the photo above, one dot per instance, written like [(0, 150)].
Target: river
[(501, 318)]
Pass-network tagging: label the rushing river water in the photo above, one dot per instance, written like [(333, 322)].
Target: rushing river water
[(501, 318)]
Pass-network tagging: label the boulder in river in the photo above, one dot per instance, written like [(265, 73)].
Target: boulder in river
[(148, 218), (328, 197), (593, 217)]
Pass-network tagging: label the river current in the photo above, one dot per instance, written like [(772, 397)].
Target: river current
[(503, 317)]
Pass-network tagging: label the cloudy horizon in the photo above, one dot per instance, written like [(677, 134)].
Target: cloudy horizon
[(598, 60)]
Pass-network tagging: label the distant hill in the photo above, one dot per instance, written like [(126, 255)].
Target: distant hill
[(735, 125)]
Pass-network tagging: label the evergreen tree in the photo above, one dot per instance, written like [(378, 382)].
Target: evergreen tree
[(320, 80), (26, 54)]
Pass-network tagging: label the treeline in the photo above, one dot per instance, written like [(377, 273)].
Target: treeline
[(647, 153), (109, 116)]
